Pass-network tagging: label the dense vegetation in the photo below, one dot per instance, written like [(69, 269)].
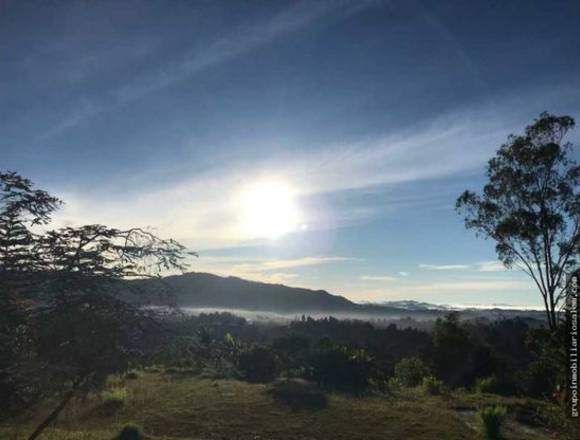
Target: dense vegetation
[(308, 361)]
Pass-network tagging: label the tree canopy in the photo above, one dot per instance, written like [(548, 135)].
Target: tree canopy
[(530, 207), (62, 306)]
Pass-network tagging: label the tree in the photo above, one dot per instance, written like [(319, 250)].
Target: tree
[(452, 349), (531, 207), (81, 326), (22, 207)]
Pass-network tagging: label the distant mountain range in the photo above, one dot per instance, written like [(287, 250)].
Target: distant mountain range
[(208, 291)]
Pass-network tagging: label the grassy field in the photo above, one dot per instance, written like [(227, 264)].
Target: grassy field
[(170, 407)]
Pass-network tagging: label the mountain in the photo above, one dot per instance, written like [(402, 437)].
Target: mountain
[(205, 290)]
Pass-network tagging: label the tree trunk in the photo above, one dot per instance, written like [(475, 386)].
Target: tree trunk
[(55, 413)]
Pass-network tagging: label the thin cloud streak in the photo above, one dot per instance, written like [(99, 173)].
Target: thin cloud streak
[(264, 270), (238, 42), (378, 278), (204, 212), (444, 266)]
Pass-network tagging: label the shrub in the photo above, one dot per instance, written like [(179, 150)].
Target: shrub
[(555, 415), (130, 432), (410, 371), (432, 385), (258, 365), (299, 394), (132, 375), (487, 385), (491, 419), (393, 384), (114, 398), (341, 368)]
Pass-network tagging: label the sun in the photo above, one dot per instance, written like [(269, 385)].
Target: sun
[(269, 210)]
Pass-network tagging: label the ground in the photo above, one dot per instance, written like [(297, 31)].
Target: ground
[(175, 407)]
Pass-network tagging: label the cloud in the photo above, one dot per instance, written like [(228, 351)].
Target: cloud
[(404, 274), (240, 40), (430, 291), (482, 266), (444, 266), (262, 269), (491, 266), (204, 212), (378, 278), (268, 265)]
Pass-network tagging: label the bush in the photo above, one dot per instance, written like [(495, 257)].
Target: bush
[(491, 419), (258, 365), (341, 368), (432, 385), (487, 385), (299, 394), (131, 432), (114, 399), (132, 375), (411, 371)]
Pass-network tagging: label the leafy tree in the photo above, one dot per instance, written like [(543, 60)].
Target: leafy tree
[(411, 371), (22, 207), (258, 365), (531, 207), (452, 348), (83, 328), (342, 368)]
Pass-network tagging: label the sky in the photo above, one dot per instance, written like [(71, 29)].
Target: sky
[(319, 144)]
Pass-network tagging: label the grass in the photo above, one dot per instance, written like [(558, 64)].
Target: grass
[(491, 420), (184, 407), (114, 398)]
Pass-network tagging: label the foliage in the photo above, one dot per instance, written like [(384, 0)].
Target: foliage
[(293, 351), (432, 386), (21, 385), (258, 365), (491, 419), (486, 385), (451, 348), (546, 371), (410, 371), (114, 398), (531, 206), (556, 416), (131, 432), (341, 368), (133, 374), (81, 329)]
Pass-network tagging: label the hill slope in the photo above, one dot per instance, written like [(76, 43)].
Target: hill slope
[(198, 289)]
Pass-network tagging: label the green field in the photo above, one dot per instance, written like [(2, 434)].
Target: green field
[(184, 407)]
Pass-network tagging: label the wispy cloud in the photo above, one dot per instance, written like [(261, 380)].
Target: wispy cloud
[(482, 266), (269, 265), (378, 278), (203, 211), (263, 269), (430, 290), (491, 266), (237, 42), (444, 266)]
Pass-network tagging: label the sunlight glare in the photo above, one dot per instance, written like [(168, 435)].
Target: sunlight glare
[(269, 210)]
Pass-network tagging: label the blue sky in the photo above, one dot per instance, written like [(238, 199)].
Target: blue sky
[(317, 144)]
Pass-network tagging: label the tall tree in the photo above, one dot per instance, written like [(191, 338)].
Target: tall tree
[(22, 207), (74, 319), (531, 207)]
